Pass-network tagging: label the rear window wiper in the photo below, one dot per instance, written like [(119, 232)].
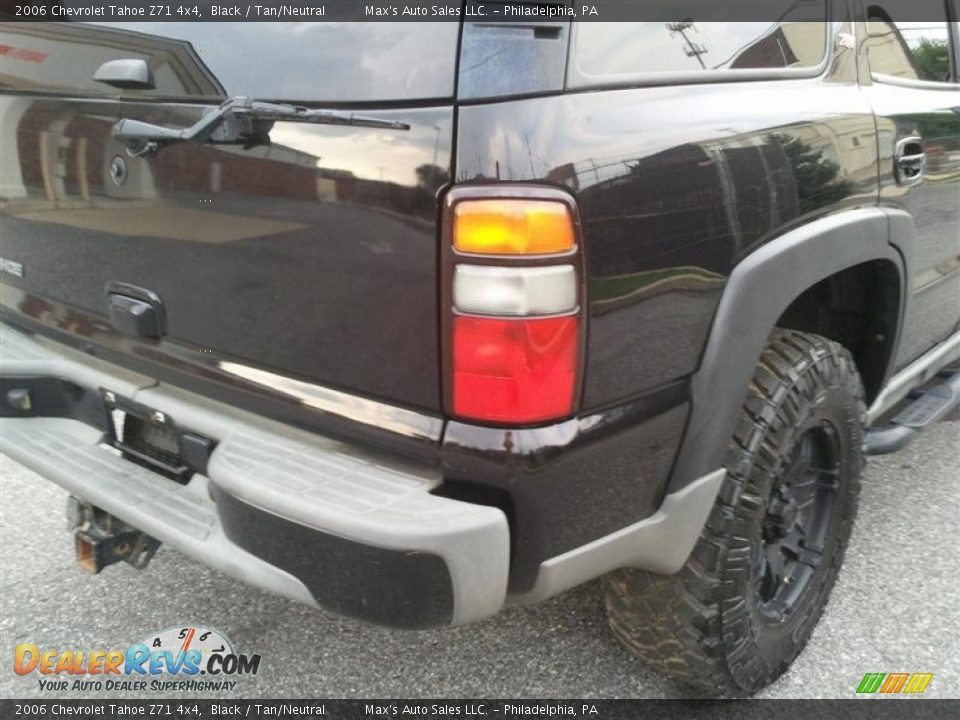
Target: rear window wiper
[(237, 121)]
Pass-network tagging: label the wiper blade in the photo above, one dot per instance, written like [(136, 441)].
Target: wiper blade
[(237, 121), (296, 113)]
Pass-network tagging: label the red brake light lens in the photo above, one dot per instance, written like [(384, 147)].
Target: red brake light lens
[(514, 370)]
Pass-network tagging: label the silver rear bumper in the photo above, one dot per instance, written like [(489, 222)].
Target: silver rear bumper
[(346, 497)]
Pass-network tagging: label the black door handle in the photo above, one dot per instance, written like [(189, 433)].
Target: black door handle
[(136, 312)]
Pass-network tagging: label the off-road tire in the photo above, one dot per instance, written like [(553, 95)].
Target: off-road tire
[(705, 626)]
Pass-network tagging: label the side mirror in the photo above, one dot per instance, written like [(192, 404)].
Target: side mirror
[(127, 73)]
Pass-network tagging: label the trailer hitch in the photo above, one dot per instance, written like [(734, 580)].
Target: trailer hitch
[(102, 539)]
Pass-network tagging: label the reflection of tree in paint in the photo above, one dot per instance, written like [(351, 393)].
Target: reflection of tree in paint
[(814, 175), (432, 177)]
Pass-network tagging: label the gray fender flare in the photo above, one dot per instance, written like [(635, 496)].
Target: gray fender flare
[(758, 291)]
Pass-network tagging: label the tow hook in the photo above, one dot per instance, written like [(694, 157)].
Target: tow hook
[(102, 539)]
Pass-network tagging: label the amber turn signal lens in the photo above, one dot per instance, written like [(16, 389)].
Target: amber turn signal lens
[(512, 227)]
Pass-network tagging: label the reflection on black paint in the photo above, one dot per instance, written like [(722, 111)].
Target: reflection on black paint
[(307, 62), (312, 256), (816, 179), (676, 186)]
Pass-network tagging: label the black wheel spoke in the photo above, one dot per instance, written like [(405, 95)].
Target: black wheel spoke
[(797, 519), (778, 608), (793, 543), (805, 491), (810, 558), (829, 480), (776, 566), (799, 463)]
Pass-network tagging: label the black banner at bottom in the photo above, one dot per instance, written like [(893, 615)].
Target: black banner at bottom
[(854, 709)]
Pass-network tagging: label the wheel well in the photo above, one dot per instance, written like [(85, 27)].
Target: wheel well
[(859, 308)]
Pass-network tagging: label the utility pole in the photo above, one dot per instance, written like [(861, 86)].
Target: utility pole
[(694, 50)]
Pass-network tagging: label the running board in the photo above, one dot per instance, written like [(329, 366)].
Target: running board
[(927, 408)]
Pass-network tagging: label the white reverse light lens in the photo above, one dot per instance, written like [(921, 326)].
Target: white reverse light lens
[(486, 290)]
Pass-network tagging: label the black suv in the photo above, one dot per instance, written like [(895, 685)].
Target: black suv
[(410, 321)]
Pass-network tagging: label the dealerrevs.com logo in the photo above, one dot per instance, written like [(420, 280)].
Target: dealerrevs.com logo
[(171, 660)]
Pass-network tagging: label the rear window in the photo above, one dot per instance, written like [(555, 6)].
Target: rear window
[(619, 51), (318, 62)]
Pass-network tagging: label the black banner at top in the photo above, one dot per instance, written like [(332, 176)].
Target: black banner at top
[(486, 11)]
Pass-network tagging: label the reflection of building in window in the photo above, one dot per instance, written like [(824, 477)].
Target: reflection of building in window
[(65, 150), (63, 58), (798, 39), (911, 50), (790, 44), (889, 54)]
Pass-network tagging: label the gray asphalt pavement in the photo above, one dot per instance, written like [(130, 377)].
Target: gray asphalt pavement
[(896, 607)]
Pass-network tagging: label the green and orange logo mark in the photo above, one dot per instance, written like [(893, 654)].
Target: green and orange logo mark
[(893, 683)]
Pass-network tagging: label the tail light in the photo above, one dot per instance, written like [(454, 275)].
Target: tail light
[(512, 227), (513, 304)]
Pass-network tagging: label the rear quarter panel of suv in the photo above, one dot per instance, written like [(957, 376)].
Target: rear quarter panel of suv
[(676, 184)]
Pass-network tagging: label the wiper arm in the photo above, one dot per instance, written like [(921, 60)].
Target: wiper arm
[(237, 121), (295, 113)]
